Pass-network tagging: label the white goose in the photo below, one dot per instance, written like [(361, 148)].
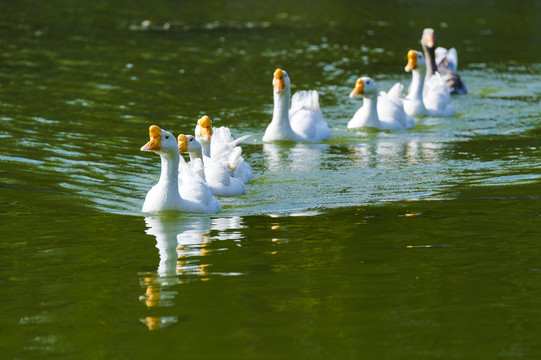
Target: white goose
[(165, 195), (444, 61), (426, 97), (218, 143), (303, 122), (384, 112), (215, 174)]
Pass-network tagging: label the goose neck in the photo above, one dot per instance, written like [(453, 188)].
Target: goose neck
[(417, 83), (280, 113), (370, 109), (169, 172), (430, 56), (195, 154), (206, 148)]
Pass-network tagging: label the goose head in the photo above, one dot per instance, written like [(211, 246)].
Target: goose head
[(206, 128), (416, 61), (364, 86), (280, 81), (188, 144), (428, 39), (161, 141)]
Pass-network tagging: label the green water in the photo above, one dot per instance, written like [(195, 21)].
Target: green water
[(372, 245)]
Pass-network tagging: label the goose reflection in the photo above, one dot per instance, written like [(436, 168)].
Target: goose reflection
[(427, 152), (299, 156), (182, 241), (390, 153), (224, 225)]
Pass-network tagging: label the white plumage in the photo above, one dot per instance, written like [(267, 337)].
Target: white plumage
[(384, 111), (193, 189), (218, 144), (303, 121), (450, 56), (169, 193), (426, 97), (215, 174)]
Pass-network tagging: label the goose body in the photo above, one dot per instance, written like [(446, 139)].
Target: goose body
[(165, 195), (195, 190), (384, 111), (218, 144), (215, 174), (426, 97), (302, 121), (442, 61)]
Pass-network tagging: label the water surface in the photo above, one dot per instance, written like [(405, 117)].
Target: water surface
[(389, 245)]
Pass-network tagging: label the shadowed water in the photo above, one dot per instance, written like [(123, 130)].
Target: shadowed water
[(388, 245)]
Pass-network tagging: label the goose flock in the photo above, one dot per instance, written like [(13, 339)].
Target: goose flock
[(217, 168)]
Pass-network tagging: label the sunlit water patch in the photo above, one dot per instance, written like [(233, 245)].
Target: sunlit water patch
[(492, 137)]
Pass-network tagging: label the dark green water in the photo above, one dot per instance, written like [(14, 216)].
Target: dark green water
[(372, 245)]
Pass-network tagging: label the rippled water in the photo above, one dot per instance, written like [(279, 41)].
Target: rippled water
[(387, 245)]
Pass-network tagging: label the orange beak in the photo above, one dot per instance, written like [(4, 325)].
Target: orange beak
[(359, 88), (412, 61), (429, 40), (155, 143), (279, 82), (206, 127), (182, 143)]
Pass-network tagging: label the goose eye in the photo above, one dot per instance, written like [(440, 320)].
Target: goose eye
[(167, 136), (368, 82), (191, 139)]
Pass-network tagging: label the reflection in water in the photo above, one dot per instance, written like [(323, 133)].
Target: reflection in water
[(223, 225), (426, 152), (180, 239), (299, 156), (399, 168), (307, 156), (380, 166), (183, 242), (369, 153), (275, 156), (389, 153)]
